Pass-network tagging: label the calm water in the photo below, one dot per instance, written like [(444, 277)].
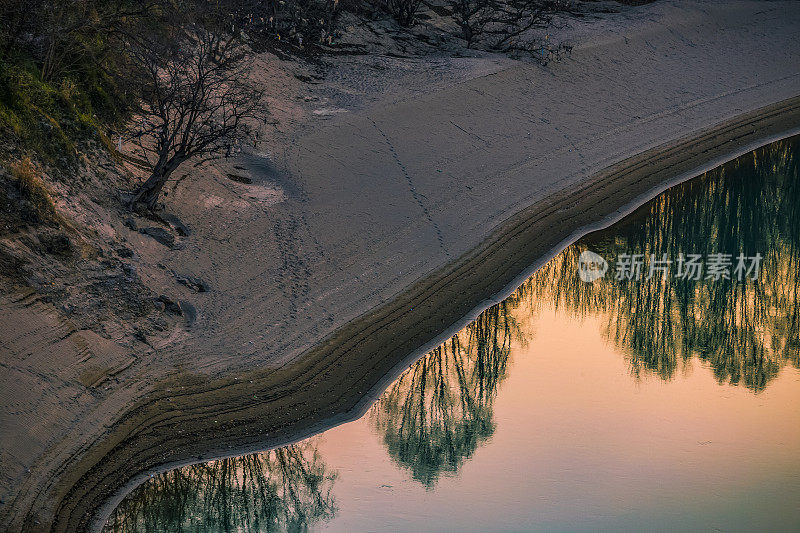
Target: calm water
[(661, 403)]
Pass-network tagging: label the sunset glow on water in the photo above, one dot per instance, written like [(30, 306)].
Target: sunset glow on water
[(661, 403)]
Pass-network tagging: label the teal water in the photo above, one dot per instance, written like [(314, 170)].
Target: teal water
[(659, 403)]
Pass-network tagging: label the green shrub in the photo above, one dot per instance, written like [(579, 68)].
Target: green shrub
[(34, 192), (50, 120)]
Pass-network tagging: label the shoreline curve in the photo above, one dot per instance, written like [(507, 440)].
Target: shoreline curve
[(336, 380)]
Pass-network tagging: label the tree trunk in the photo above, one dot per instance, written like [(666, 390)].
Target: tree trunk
[(149, 191)]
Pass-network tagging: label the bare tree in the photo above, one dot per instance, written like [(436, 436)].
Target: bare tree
[(472, 17), (505, 25), (516, 17), (281, 24), (403, 11), (197, 103), (67, 34)]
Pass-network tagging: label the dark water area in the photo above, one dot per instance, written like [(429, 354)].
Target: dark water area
[(662, 395)]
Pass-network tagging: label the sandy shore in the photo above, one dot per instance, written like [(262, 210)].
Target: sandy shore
[(369, 238)]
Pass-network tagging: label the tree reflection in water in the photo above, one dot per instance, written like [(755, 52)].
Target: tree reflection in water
[(432, 418), (437, 412), (744, 330), (280, 490)]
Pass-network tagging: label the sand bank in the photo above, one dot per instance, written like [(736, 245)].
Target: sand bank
[(388, 227)]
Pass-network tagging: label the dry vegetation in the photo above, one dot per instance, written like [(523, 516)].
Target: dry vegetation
[(169, 77)]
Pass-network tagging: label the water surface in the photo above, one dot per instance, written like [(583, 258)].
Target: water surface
[(654, 403)]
